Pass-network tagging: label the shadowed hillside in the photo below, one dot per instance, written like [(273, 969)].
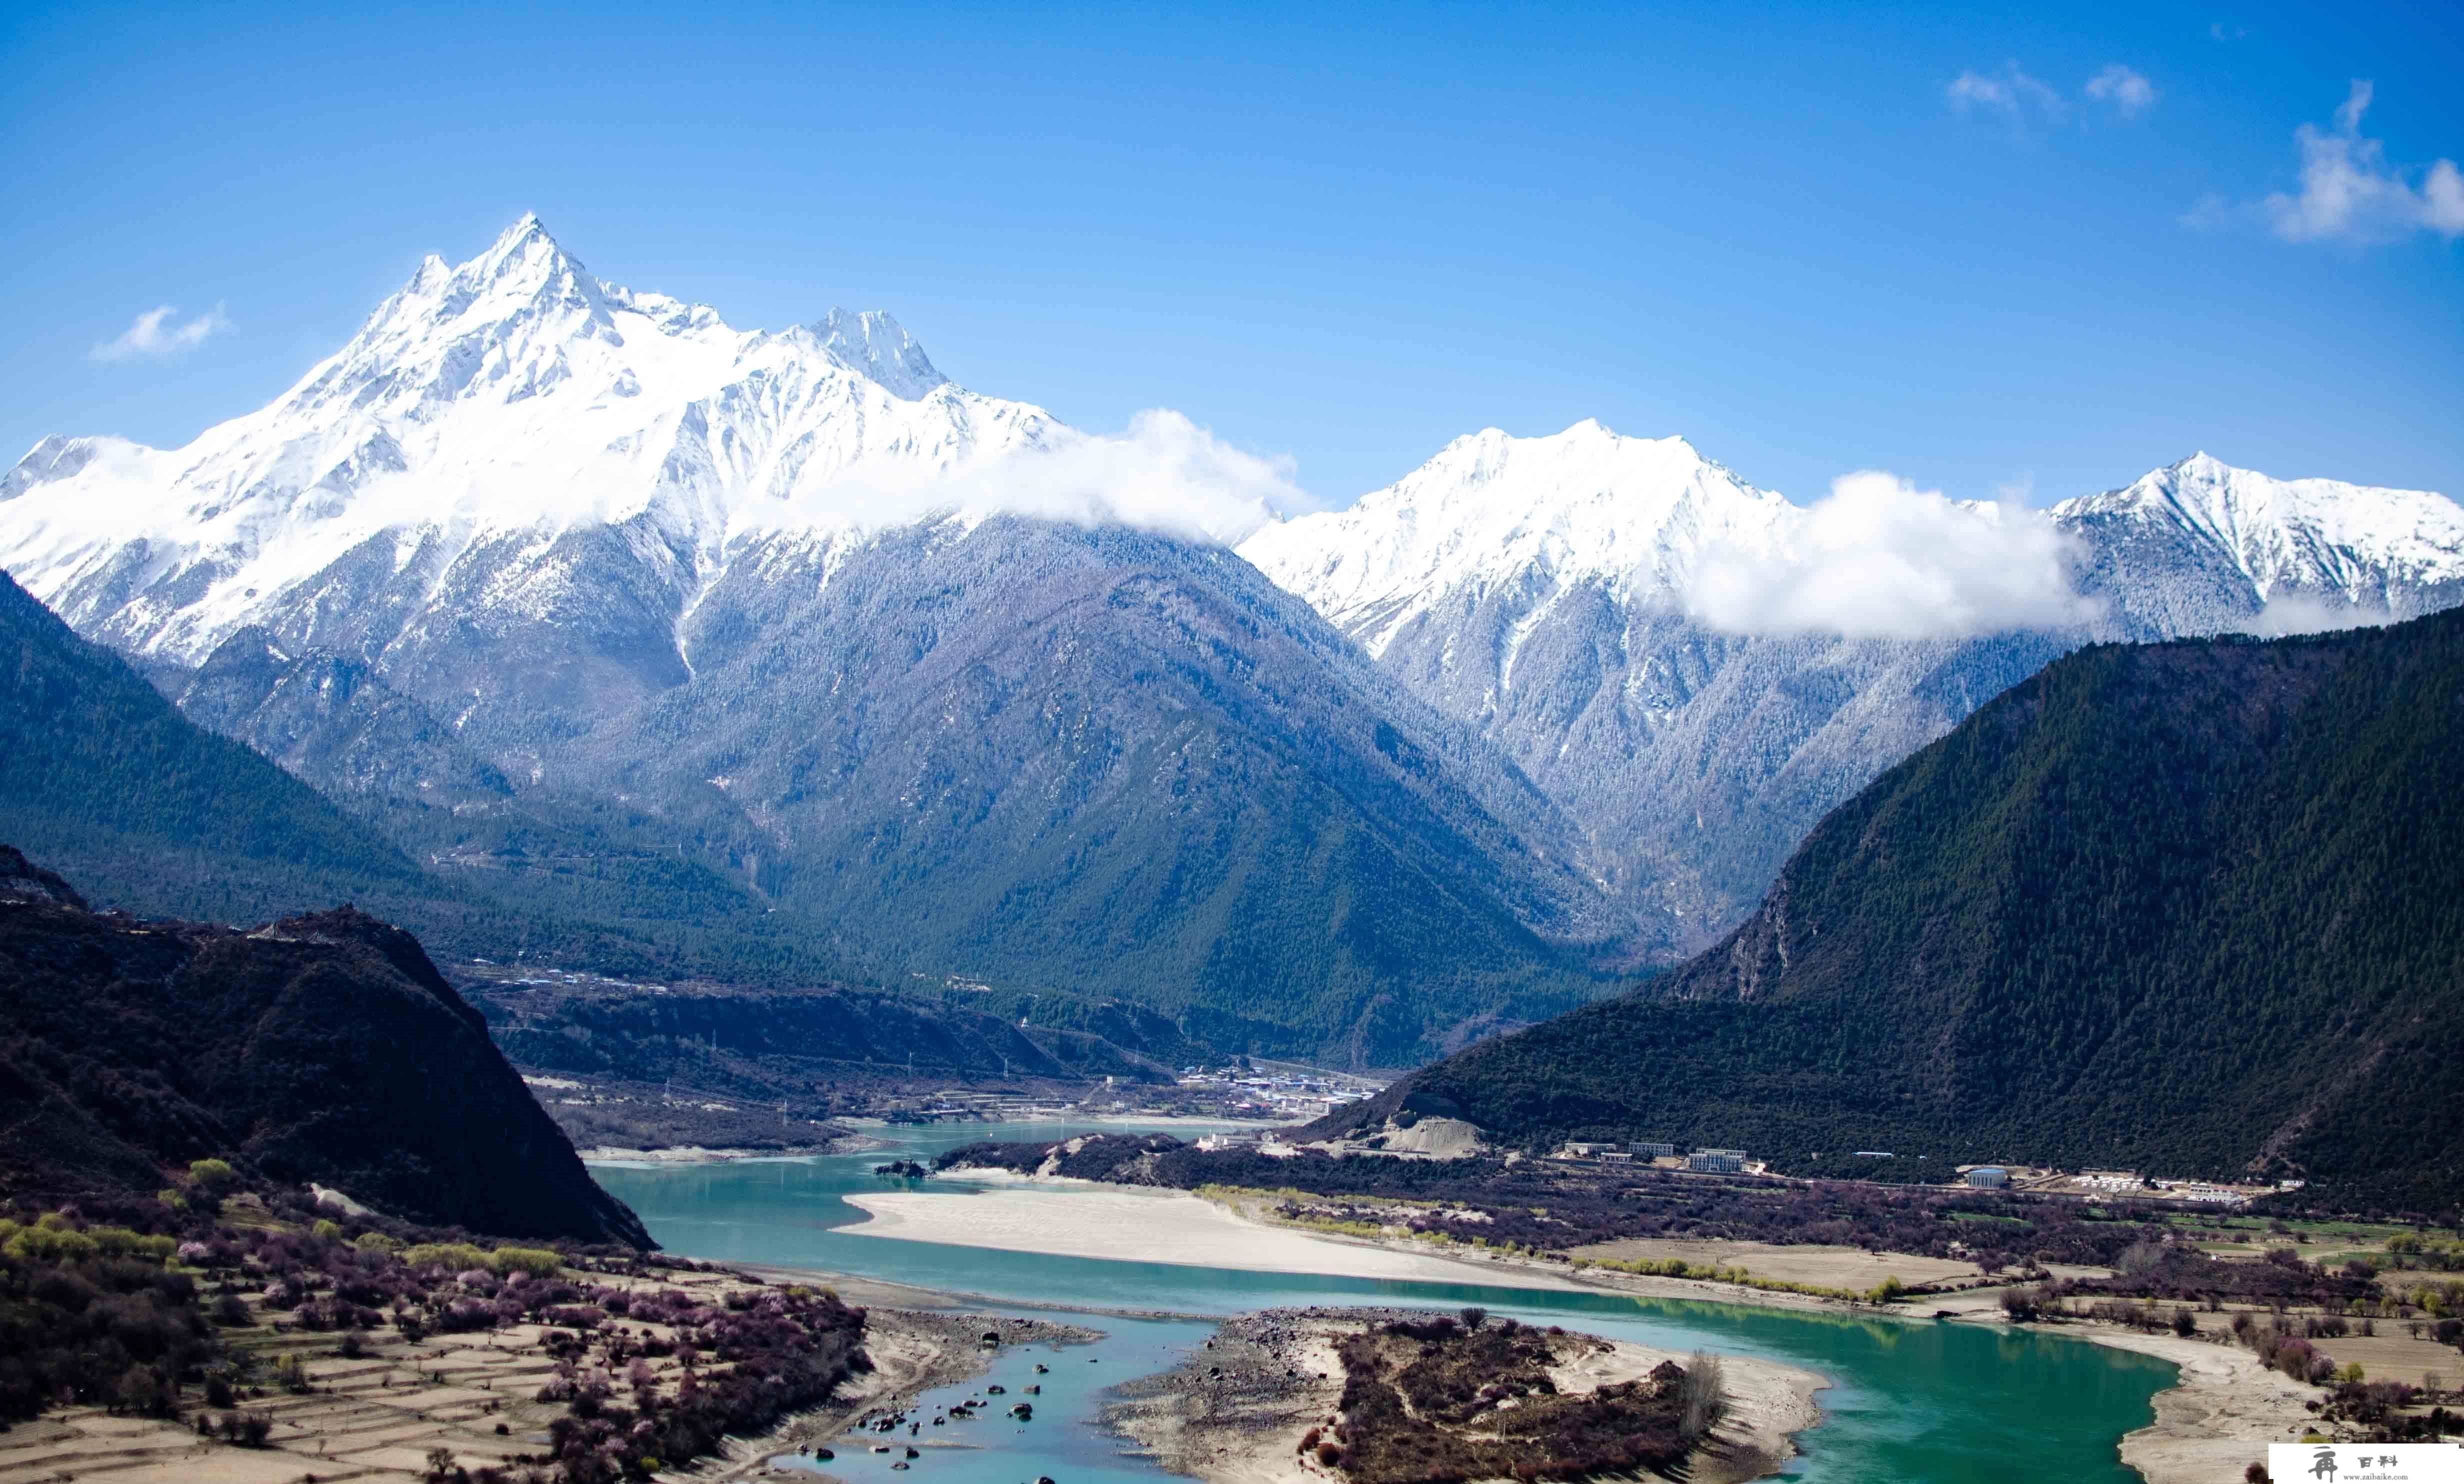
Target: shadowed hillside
[(2194, 908), (321, 1049)]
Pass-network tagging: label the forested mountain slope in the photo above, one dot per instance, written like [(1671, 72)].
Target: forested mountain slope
[(2195, 908), (321, 1049), (1562, 595), (779, 653), (101, 775)]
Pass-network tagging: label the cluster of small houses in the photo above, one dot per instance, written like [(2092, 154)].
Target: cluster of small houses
[(2094, 1184), (1708, 1162), (1285, 1094)]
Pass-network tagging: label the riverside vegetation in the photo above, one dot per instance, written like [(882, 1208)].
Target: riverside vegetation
[(1435, 1401), (2391, 1293), (232, 1311)]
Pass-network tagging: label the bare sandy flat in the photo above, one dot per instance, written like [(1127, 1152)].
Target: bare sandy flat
[(2393, 1355), (2219, 1420), (1164, 1226), (1829, 1267)]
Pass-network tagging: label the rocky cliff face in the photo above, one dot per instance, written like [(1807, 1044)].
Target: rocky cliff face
[(321, 1049)]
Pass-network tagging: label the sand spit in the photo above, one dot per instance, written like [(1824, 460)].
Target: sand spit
[(1236, 1412), (1127, 1225), (696, 1154)]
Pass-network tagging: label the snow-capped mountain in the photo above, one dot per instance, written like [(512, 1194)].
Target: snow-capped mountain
[(543, 570), (2203, 547), (1521, 523), (1546, 590), (483, 415), (578, 586)]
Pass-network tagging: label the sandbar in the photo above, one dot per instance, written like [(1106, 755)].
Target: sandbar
[(1160, 1227)]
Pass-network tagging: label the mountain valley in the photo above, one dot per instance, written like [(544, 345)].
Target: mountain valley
[(785, 660)]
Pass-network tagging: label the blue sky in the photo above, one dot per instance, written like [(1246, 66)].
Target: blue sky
[(1796, 235)]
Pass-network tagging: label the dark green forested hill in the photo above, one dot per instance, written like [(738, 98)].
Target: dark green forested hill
[(2195, 908), (99, 775), (150, 813), (322, 1048)]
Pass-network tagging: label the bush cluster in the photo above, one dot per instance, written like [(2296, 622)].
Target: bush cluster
[(1438, 1402)]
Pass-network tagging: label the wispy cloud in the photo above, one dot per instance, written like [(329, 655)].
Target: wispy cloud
[(1165, 473), (2129, 92), (2220, 30), (2351, 193), (2010, 92), (2292, 614), (159, 334)]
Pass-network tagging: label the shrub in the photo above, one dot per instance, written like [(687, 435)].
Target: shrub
[(143, 1391), (451, 1256), (247, 1429), (537, 1262), (212, 1176)]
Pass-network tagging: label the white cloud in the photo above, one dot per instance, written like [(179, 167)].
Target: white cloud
[(2218, 31), (2011, 93), (2129, 92), (2300, 613), (1165, 474), (2350, 191), (1882, 559), (154, 334)]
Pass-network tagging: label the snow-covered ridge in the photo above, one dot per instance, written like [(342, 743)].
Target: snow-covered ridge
[(1653, 525), (1491, 511), (515, 393), (2316, 534)]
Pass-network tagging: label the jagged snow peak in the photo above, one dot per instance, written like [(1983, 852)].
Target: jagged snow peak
[(517, 393), (2316, 553), (1656, 525)]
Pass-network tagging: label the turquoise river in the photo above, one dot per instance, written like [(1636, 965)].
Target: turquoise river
[(1927, 1401)]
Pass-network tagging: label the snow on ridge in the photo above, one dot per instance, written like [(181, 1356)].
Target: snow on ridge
[(1490, 511), (1655, 524), (2310, 533), (512, 392)]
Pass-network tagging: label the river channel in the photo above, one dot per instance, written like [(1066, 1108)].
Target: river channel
[(1925, 1401)]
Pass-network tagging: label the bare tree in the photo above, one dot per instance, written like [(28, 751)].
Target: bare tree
[(1705, 1392)]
